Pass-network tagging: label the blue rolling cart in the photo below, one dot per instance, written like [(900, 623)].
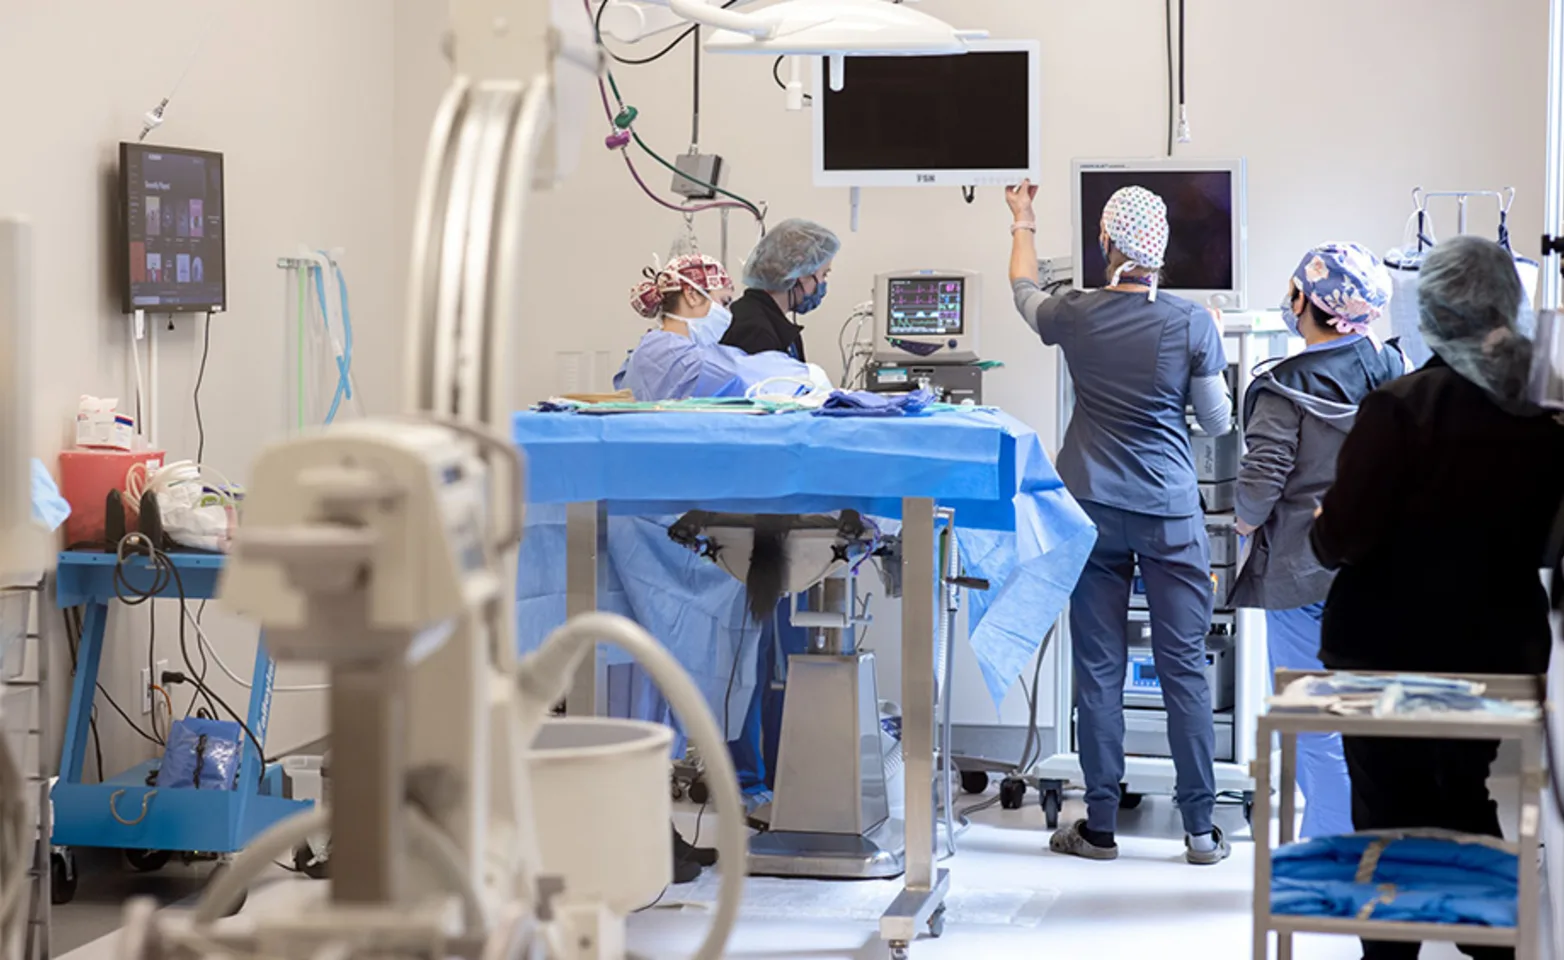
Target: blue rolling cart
[(123, 812)]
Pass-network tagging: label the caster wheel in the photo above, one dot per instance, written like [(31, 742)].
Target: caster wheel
[(700, 793), (216, 874), (308, 863), (937, 923), (1012, 793), (62, 877), (147, 861), (1129, 801), (678, 793), (1053, 803), (974, 781), (898, 951)]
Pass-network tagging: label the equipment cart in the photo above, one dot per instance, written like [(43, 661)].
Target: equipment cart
[(126, 811), (1452, 726)]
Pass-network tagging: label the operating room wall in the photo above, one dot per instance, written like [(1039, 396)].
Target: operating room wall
[(298, 96), (1340, 107)]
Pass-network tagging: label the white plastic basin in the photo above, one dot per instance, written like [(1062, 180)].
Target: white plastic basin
[(600, 790)]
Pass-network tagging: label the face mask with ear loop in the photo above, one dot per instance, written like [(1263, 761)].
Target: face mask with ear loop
[(810, 302), (709, 330)]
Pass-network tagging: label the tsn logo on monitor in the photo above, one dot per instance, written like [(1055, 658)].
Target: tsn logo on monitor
[(926, 178)]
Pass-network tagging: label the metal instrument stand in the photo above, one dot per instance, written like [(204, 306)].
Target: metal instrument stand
[(920, 905), (1454, 726)]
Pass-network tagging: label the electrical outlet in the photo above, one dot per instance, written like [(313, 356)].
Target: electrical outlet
[(147, 682)]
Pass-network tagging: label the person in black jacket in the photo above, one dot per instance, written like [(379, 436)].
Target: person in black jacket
[(786, 274), (1445, 495)]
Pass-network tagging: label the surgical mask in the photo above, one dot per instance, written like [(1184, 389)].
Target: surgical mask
[(811, 302), (708, 331), (1288, 317)]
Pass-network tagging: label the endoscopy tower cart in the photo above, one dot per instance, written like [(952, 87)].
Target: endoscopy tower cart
[(1236, 652)]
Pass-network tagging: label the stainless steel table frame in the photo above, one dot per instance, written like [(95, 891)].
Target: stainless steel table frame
[(924, 886), (1529, 734)]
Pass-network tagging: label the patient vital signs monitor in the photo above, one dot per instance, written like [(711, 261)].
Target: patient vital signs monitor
[(1207, 256), (927, 315)]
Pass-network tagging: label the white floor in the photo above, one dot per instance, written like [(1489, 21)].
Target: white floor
[(1148, 903)]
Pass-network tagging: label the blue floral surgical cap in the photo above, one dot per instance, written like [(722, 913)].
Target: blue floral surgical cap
[(1346, 282)]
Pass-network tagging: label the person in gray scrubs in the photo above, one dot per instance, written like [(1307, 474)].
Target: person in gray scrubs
[(1138, 360)]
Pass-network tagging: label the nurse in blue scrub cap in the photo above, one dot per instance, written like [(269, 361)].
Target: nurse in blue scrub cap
[(1297, 415)]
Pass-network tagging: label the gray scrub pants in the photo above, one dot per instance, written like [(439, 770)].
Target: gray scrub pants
[(1175, 562)]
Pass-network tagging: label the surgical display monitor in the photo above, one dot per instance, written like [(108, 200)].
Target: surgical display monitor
[(172, 228), (1207, 255), (927, 315), (972, 119)]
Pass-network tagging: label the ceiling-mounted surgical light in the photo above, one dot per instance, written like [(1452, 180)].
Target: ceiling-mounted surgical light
[(827, 28)]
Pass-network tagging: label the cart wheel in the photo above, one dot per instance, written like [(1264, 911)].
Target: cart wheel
[(62, 877), (1053, 803), (700, 793), (678, 793), (1127, 800), (1012, 793), (147, 861), (974, 781), (937, 923), (217, 872), (898, 950)]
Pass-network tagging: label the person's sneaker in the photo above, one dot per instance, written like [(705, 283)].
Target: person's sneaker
[(1070, 842), (1207, 849), (700, 856), (685, 868)]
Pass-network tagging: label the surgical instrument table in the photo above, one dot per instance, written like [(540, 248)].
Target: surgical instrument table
[(986, 466)]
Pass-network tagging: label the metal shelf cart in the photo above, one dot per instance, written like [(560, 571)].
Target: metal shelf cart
[(24, 712), (124, 811), (1453, 726)]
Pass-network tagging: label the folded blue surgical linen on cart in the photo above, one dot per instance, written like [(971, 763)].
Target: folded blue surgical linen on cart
[(1399, 878)]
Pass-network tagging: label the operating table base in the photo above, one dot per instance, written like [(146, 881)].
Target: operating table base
[(879, 855)]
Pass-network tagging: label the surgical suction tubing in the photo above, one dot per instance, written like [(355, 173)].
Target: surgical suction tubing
[(223, 893), (543, 677)]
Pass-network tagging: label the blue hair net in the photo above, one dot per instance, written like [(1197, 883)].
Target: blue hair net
[(1469, 306), (793, 249)]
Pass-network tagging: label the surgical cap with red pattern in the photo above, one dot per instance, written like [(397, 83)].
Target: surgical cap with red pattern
[(696, 271)]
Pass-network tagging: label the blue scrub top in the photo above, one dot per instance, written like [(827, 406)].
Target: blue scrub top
[(1132, 360), (668, 366)]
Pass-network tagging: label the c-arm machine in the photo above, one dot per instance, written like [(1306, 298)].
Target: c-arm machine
[(386, 549)]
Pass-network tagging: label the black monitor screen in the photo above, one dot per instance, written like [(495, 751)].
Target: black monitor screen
[(1200, 224), (173, 219), (966, 112), (926, 307)]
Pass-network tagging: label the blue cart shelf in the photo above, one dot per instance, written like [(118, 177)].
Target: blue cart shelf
[(124, 812)]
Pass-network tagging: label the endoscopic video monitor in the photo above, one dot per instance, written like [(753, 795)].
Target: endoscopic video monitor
[(961, 120), (1207, 256), (172, 221)]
